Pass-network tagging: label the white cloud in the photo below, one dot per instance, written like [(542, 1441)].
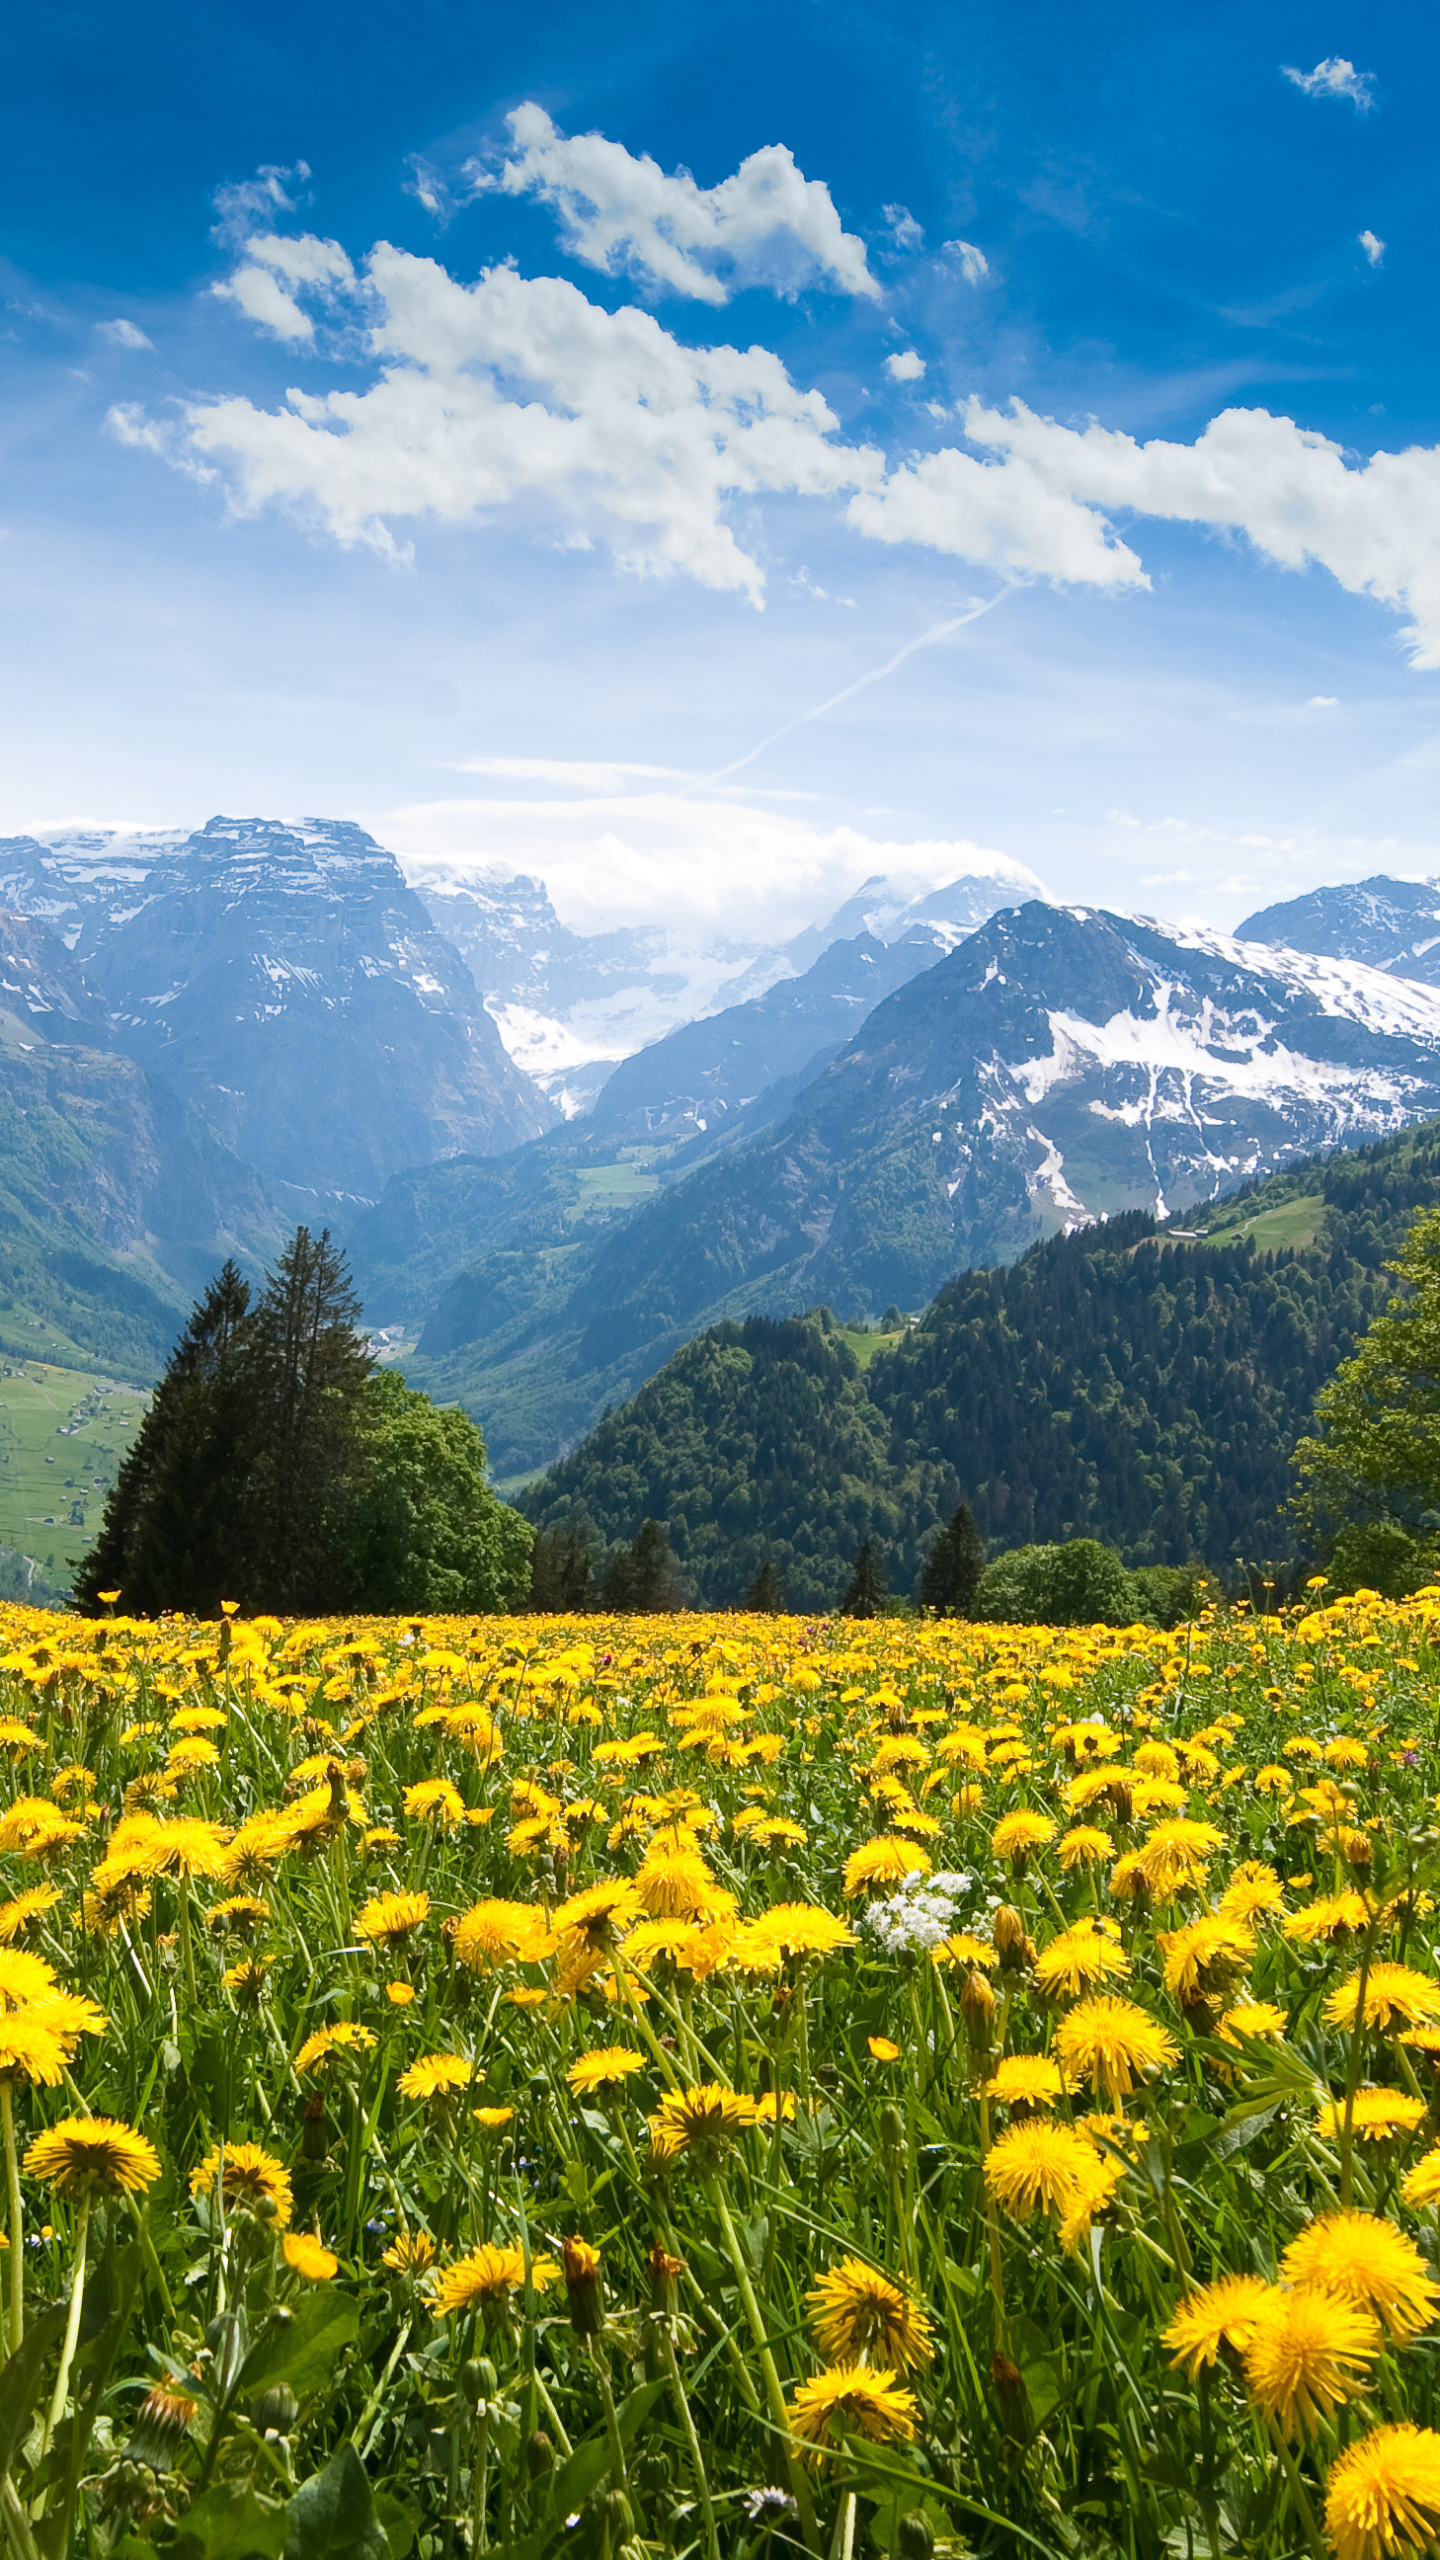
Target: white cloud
[(1374, 249), (1335, 78), (974, 265), (123, 333), (767, 224), (278, 268), (905, 231), (250, 200), (264, 299), (516, 388), (693, 864), (1323, 702), (1375, 526), (906, 367)]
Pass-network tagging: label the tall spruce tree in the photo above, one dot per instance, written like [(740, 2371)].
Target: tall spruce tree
[(867, 1590), (766, 1594), (183, 1521), (313, 1363), (562, 1568), (643, 1577), (953, 1566)]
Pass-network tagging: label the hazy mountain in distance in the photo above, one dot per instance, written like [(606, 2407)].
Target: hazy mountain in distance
[(286, 980), (1389, 924)]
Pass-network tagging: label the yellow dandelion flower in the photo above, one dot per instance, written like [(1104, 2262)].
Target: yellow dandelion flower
[(492, 1934), (1084, 1845), (186, 1847), (1026, 2080), (881, 2049), (1421, 2185), (1176, 1855), (309, 2257), (1205, 1959), (435, 1800), (242, 1912), (1112, 2043), (860, 2316), (16, 1916), (29, 2050), (1383, 2497), (1306, 2356), (84, 2152), (592, 1922), (700, 2120), (1216, 2315), (1394, 1997), (493, 2119), (852, 2400), (1252, 2018), (24, 1978), (388, 1919), (346, 2036), (1366, 2261), (1332, 1917), (1253, 1891), (435, 2076), (886, 1861), (603, 2072), (963, 1949), (1016, 1835), (1079, 1958), (488, 2280), (1379, 2115), (249, 2180), (411, 2254), (1038, 2165)]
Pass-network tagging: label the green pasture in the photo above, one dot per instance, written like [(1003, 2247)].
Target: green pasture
[(63, 1433)]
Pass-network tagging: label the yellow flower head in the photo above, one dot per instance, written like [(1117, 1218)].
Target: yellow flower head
[(1017, 1834), (1078, 1959), (23, 1978), (390, 1918), (860, 2316), (1112, 2043), (309, 2257), (1038, 2165), (1085, 1845), (880, 2049), (1383, 2498), (852, 2400), (1380, 2115), (412, 2254), (1252, 1893), (1026, 2080), (29, 2050), (603, 2072), (492, 1934), (1366, 2261), (1395, 1996), (16, 1916), (488, 2280), (702, 2120), (85, 2152), (436, 2076), (346, 2036), (249, 2181), (886, 1861), (1307, 2355), (1174, 1858), (1206, 1959), (1216, 2315)]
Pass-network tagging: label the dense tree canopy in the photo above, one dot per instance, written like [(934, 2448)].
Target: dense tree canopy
[(276, 1467)]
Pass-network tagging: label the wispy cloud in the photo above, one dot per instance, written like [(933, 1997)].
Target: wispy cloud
[(1335, 78), (768, 224), (243, 202), (122, 333), (974, 265)]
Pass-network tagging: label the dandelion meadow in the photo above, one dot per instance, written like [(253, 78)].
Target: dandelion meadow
[(720, 2085)]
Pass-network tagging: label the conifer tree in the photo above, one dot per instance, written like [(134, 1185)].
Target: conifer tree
[(767, 1592), (562, 1568), (181, 1524), (867, 1590), (953, 1567), (313, 1362), (643, 1578)]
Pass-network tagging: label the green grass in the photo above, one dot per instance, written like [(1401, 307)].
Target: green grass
[(1291, 1223), (63, 1432), (865, 1344), (614, 1186)]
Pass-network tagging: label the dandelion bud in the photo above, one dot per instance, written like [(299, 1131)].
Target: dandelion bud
[(539, 2455), (892, 2139), (665, 2272), (915, 2536), (162, 2419), (583, 2287), (314, 2133), (1358, 1849), (276, 2410), (478, 2381), (1015, 1950), (978, 2005)]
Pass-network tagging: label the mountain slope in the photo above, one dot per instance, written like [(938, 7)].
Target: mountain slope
[(1113, 1383), (1389, 924), (1058, 1066), (287, 981)]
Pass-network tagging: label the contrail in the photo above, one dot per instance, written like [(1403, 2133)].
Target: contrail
[(817, 711)]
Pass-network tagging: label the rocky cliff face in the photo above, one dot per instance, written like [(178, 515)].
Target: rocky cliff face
[(286, 981), (1389, 924)]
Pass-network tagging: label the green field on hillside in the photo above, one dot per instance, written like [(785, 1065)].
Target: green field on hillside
[(63, 1433)]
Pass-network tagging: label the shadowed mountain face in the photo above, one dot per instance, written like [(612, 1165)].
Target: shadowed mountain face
[(1389, 924), (1061, 1065), (287, 981)]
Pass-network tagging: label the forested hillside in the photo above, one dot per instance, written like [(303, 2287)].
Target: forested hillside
[(1132, 1383)]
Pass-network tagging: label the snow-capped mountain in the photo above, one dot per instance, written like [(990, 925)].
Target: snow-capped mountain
[(1389, 924), (570, 1006)]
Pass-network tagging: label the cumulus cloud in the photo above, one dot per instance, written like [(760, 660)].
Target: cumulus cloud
[(974, 265), (906, 367), (689, 861), (279, 266), (1335, 78), (1374, 249), (519, 388), (767, 224), (123, 333), (1375, 526)]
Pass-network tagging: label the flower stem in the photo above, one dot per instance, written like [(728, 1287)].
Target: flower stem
[(72, 2325), (17, 2220), (780, 2415)]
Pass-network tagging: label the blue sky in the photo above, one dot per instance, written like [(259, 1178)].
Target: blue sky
[(512, 536)]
